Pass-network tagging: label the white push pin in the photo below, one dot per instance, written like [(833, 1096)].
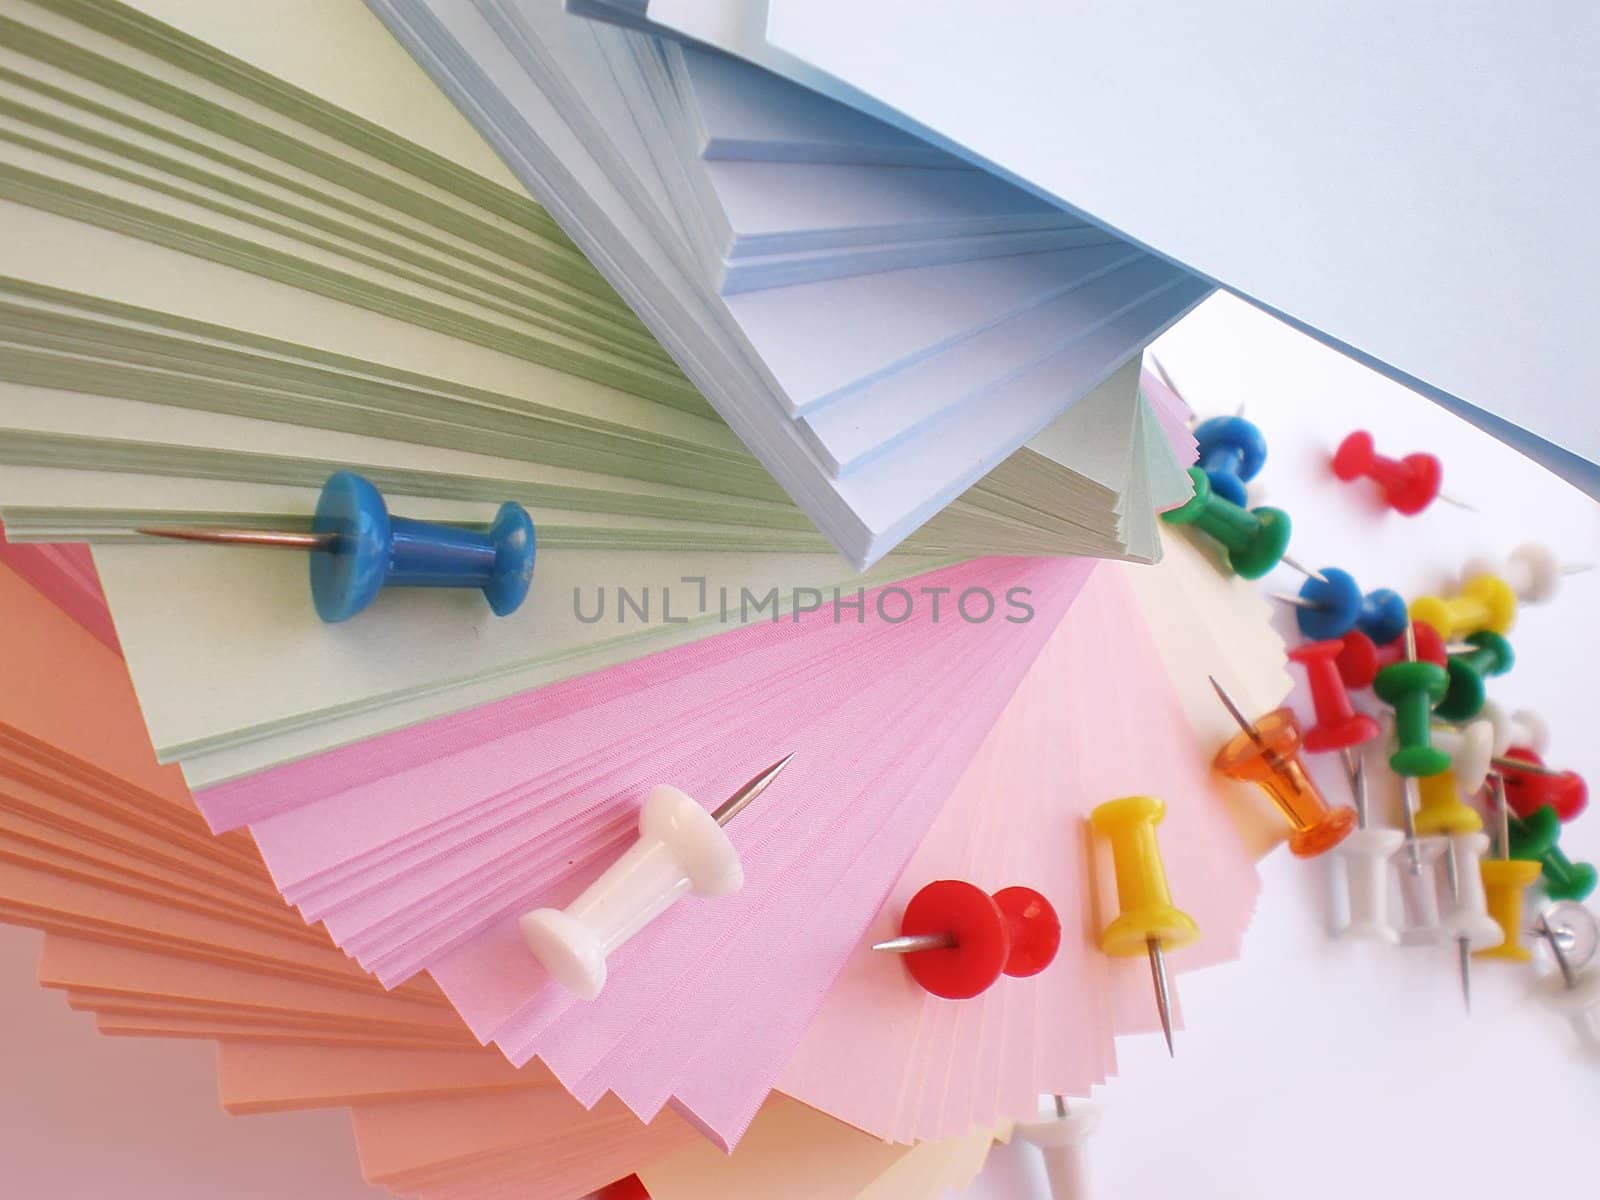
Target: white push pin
[(1467, 921), (1366, 853), (1571, 991), (681, 848), (1532, 570), (1524, 728), (1417, 867), (1471, 751), (1062, 1141)]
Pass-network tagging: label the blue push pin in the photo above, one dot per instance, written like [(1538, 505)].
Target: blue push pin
[(1327, 607), (360, 549), (1383, 616), (1332, 606), (1232, 452)]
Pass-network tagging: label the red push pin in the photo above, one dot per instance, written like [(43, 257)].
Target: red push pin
[(1530, 785), (1360, 659), (958, 939), (1409, 484), (1338, 725), (629, 1187)]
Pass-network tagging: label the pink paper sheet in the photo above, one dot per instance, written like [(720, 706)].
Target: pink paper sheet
[(418, 850), (884, 1055), (1172, 414), (65, 574)]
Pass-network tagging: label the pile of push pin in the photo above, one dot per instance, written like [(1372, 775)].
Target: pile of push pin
[(1464, 765)]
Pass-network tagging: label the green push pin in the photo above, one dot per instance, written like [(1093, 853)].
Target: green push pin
[(1490, 656), (1534, 838), (1255, 538), (1412, 689)]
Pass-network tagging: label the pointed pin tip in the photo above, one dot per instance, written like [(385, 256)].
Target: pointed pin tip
[(914, 943), (753, 787), (1158, 972)]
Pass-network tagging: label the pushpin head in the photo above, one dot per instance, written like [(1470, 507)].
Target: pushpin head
[(1528, 791), (349, 577), (1485, 602), (1148, 914), (1338, 726), (1409, 485), (1267, 755), (371, 549), (1354, 457), (1014, 932), (1472, 756), (1231, 453), (1442, 811), (1504, 881), (1337, 600), (1361, 658), (1383, 616), (1537, 836), (1533, 836), (1034, 927), (1255, 539)]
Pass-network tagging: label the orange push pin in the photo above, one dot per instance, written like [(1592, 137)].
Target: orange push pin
[(1149, 922), (1267, 753), (1485, 602)]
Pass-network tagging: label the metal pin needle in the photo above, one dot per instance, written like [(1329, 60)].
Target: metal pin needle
[(1409, 796), (1297, 601), (1161, 371), (1521, 764), (1502, 814), (911, 943), (753, 787), (1158, 972), (1355, 767), (277, 539), (1233, 711), (1293, 565), (1568, 976)]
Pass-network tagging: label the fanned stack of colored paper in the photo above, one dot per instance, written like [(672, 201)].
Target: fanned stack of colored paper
[(1222, 178), (239, 259), (162, 930), (249, 255), (429, 1078), (251, 249), (934, 369)]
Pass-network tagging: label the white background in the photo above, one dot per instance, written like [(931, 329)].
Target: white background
[(1312, 1067), (1320, 1069)]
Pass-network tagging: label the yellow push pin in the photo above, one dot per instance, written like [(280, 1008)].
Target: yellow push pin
[(1505, 882), (1149, 922), (1440, 808), (1485, 602)]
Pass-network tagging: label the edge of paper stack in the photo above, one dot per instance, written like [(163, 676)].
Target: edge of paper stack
[(237, 261)]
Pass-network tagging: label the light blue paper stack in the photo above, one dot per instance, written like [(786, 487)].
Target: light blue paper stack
[(1417, 193), (880, 322)]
